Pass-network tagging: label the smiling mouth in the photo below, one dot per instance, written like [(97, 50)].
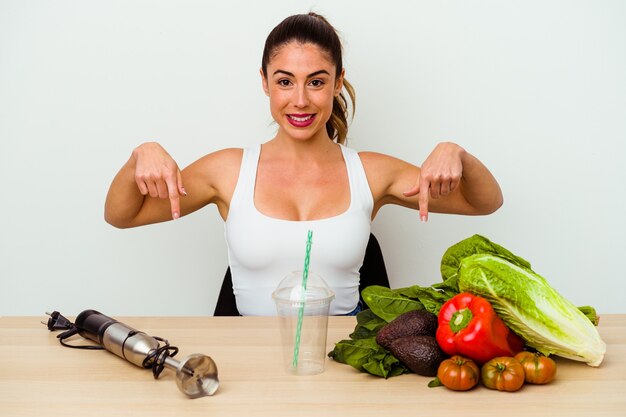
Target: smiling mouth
[(301, 120)]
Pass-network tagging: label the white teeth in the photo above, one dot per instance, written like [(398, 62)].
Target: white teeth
[(301, 119)]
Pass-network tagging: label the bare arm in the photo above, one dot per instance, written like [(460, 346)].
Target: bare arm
[(450, 181), (150, 188), (150, 171)]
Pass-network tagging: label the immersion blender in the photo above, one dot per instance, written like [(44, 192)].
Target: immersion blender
[(196, 375)]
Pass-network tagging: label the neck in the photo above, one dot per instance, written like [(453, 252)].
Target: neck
[(316, 147)]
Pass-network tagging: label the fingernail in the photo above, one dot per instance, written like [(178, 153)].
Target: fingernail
[(424, 219), (175, 215), (184, 191)]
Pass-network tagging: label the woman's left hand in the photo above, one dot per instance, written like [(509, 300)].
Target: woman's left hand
[(440, 175)]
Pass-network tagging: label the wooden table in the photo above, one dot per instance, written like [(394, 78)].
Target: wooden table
[(39, 377)]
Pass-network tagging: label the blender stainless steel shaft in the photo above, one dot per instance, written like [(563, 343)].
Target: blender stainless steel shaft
[(196, 375)]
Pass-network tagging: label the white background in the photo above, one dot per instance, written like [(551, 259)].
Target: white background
[(535, 89)]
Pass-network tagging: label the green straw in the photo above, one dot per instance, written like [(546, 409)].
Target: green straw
[(305, 277)]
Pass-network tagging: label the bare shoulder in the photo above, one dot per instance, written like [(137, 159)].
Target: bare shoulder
[(231, 154), (385, 167), (213, 176), (223, 160), (388, 177), (377, 159), (228, 156)]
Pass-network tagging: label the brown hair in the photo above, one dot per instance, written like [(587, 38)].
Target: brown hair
[(315, 29)]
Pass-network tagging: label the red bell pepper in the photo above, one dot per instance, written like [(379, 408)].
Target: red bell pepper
[(469, 326)]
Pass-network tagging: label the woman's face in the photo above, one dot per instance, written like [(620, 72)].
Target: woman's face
[(301, 85)]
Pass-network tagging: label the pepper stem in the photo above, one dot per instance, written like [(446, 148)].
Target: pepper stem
[(460, 319)]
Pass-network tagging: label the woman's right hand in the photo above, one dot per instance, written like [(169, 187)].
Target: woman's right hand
[(158, 175)]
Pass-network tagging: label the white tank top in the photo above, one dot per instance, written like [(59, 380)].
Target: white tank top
[(262, 250)]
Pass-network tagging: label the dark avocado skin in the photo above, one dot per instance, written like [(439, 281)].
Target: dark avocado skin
[(421, 354), (412, 323)]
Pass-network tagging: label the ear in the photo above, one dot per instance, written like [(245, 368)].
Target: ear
[(339, 82), (264, 83)]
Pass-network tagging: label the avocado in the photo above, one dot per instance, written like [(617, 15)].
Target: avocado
[(421, 354), (412, 323)]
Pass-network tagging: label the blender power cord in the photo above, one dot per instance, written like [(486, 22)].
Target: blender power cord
[(156, 358), (58, 322)]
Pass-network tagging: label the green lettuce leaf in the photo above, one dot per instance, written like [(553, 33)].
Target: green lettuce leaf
[(387, 303), (367, 355), (431, 299), (532, 308), (477, 244), (368, 325)]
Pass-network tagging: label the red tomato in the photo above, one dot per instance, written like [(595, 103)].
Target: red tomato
[(458, 373), (539, 369), (503, 373)]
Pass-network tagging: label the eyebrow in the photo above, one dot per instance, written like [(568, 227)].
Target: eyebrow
[(313, 74)]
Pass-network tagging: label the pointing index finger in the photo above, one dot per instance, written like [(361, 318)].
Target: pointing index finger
[(423, 200), (172, 187)]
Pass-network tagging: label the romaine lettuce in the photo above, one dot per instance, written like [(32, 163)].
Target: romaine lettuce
[(531, 307)]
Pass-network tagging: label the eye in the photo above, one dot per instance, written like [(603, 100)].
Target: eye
[(284, 82), (317, 83)]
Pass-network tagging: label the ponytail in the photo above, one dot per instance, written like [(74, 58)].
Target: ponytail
[(337, 125)]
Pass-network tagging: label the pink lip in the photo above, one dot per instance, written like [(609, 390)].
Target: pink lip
[(301, 123)]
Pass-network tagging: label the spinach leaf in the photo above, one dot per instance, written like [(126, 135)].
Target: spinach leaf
[(387, 303), (450, 287), (368, 325), (367, 355), (385, 365), (431, 299)]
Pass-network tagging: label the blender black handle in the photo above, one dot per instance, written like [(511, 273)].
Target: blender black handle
[(92, 324)]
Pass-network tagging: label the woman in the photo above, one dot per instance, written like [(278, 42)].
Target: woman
[(302, 179)]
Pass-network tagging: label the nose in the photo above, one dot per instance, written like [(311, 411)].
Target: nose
[(301, 98)]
